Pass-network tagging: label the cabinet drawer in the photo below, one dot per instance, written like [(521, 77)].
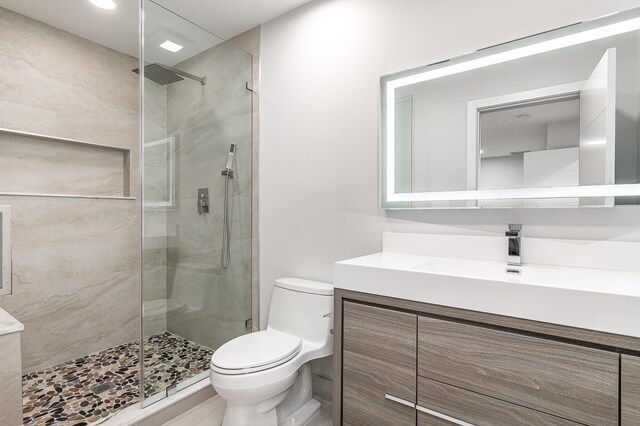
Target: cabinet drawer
[(379, 358), (630, 391), (568, 381), (475, 409), (427, 420)]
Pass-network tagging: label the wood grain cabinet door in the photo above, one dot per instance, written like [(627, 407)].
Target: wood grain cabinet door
[(379, 366), (442, 404), (630, 391), (572, 382)]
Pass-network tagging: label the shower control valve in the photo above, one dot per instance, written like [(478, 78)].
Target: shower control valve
[(203, 200)]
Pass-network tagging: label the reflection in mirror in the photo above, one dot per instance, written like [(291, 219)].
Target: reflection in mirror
[(549, 137), (530, 146), (548, 121), (5, 250)]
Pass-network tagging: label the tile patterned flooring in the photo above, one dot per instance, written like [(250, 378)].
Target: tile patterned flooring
[(66, 394), (211, 412)]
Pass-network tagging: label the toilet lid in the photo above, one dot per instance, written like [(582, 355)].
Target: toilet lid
[(255, 352)]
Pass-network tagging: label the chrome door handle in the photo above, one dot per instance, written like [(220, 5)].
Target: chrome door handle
[(443, 416), (400, 400)]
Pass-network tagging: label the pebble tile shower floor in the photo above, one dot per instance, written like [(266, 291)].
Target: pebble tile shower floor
[(89, 390)]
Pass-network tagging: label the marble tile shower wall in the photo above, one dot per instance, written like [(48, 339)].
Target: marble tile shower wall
[(75, 261), (205, 303)]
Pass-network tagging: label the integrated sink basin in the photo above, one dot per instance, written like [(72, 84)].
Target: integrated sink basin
[(594, 299)]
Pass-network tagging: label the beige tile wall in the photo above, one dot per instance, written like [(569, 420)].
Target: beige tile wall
[(75, 261), (207, 304)]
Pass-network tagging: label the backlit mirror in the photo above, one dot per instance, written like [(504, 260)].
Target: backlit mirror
[(546, 121)]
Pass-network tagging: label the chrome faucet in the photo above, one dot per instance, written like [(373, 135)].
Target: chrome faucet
[(513, 253)]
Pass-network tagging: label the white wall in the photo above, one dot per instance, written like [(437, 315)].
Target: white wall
[(502, 172), (563, 134), (321, 66)]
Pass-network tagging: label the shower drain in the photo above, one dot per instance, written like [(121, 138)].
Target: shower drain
[(102, 387)]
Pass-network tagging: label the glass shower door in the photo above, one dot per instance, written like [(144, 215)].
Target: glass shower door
[(195, 107)]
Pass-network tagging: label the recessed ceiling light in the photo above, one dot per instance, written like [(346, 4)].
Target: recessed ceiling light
[(104, 4), (171, 46)]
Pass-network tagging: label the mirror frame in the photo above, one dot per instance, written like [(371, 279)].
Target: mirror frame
[(5, 275), (608, 26)]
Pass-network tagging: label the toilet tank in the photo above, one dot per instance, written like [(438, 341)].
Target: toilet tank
[(302, 308)]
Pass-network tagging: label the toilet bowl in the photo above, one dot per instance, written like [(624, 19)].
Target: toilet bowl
[(265, 377)]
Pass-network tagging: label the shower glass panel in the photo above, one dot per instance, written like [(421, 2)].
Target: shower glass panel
[(195, 107)]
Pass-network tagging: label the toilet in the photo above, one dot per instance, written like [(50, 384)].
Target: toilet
[(265, 377)]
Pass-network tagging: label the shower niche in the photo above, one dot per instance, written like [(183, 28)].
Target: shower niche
[(75, 168)]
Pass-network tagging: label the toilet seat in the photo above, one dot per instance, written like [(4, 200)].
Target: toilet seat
[(255, 352)]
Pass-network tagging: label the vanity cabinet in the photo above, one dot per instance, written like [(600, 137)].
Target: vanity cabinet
[(409, 363), (569, 381), (630, 391), (379, 365)]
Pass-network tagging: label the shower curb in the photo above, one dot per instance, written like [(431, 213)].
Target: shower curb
[(166, 409)]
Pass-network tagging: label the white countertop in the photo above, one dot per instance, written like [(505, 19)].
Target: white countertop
[(594, 299), (9, 324)]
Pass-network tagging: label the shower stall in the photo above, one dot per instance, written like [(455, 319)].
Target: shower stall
[(196, 199), (126, 171)]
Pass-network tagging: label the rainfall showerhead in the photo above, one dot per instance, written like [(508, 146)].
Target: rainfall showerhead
[(164, 75), (159, 74)]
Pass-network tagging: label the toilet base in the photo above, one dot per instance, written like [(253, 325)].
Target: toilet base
[(303, 415), (245, 415), (293, 407), (299, 406)]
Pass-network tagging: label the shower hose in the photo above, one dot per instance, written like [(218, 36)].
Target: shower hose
[(225, 255)]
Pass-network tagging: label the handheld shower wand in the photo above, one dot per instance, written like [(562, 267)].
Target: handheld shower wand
[(228, 170), (225, 255), (232, 150)]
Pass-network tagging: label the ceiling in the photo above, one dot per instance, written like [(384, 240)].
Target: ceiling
[(228, 18), (161, 25), (118, 29), (531, 115), (524, 128)]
